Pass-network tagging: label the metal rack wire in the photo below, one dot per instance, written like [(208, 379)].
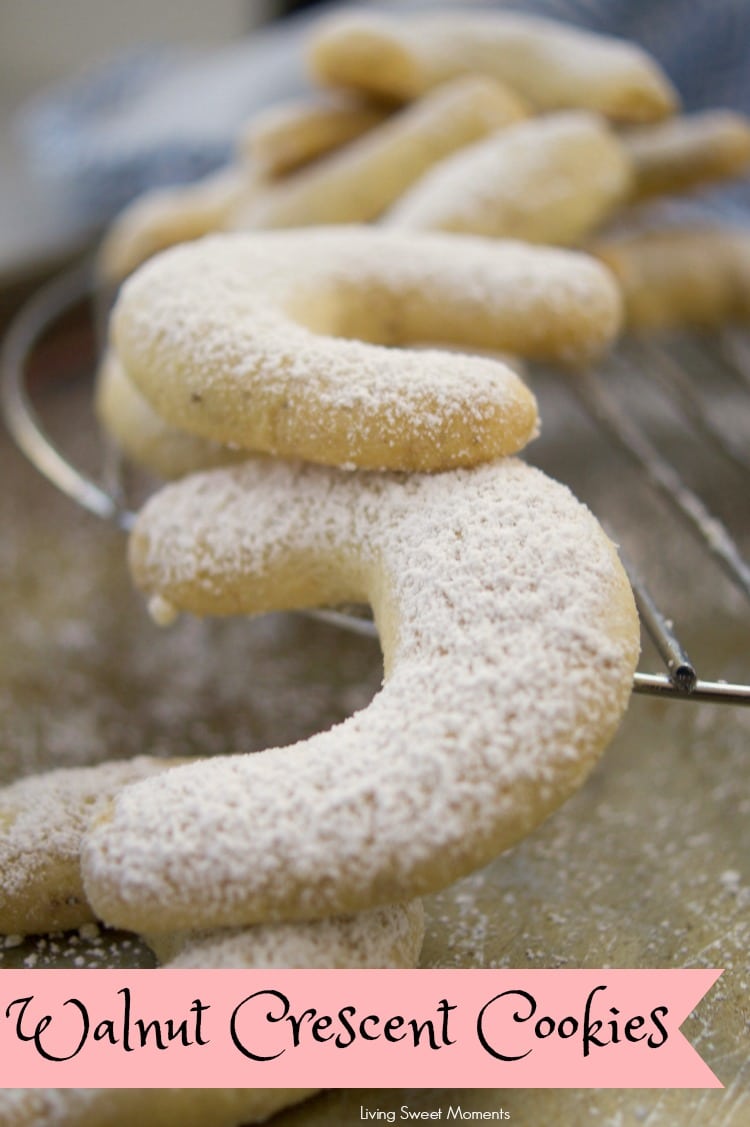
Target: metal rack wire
[(106, 497)]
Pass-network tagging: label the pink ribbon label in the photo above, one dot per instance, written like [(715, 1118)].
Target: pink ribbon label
[(350, 1029)]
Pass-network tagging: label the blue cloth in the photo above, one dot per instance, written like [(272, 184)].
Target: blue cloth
[(153, 117)]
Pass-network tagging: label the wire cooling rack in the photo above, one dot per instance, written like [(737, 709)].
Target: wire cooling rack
[(106, 496)]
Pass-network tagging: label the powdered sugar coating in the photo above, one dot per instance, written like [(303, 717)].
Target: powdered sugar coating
[(390, 936), (509, 638), (549, 180), (262, 341), (42, 821)]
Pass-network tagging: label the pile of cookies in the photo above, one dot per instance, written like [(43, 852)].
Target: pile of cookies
[(493, 124), (342, 405)]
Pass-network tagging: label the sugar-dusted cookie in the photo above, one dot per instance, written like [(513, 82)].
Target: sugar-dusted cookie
[(274, 341), (687, 152), (360, 181), (552, 179), (42, 821), (167, 216), (681, 276), (282, 138), (146, 438), (390, 936), (481, 581), (552, 65)]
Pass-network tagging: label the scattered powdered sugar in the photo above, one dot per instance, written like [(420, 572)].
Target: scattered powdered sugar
[(80, 948), (487, 586), (89, 931)]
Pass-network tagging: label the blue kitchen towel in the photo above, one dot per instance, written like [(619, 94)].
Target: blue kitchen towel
[(153, 117)]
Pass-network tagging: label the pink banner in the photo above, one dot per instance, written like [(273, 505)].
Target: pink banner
[(351, 1029)]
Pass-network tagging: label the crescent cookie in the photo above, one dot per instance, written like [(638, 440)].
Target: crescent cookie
[(552, 65), (687, 152), (359, 182), (549, 180), (167, 216), (154, 1107), (42, 821), (480, 580), (143, 436), (390, 936), (282, 138), (683, 276), (251, 341), (153, 444)]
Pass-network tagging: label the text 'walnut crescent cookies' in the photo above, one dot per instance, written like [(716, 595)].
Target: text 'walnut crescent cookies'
[(682, 276), (552, 65), (553, 179), (268, 341), (478, 579), (359, 182)]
